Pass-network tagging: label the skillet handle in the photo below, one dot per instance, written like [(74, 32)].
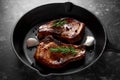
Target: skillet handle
[(68, 6), (40, 71), (109, 47)]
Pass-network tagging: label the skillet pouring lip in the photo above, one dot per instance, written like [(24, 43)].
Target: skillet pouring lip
[(70, 5)]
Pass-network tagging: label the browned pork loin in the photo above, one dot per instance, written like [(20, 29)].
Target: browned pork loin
[(65, 29), (54, 54)]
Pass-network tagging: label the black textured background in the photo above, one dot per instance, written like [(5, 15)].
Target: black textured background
[(106, 68)]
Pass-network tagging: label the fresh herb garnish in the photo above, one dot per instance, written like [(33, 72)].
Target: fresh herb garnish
[(59, 23), (63, 50)]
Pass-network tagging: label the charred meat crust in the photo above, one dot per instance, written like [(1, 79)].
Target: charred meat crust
[(56, 60), (70, 32)]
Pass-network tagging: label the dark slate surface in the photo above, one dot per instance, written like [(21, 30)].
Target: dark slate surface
[(106, 68)]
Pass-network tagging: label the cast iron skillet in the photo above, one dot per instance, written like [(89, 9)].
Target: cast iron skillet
[(27, 27)]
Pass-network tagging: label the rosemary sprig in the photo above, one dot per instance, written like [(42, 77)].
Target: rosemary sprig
[(64, 50), (59, 23)]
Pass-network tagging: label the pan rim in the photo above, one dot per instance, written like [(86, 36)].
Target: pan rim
[(66, 73)]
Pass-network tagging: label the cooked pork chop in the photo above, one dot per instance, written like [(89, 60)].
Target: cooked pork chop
[(65, 29), (55, 54)]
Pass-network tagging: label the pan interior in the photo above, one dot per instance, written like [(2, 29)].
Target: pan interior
[(29, 53)]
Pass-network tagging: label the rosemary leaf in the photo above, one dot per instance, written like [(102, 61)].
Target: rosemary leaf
[(59, 23), (64, 50)]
